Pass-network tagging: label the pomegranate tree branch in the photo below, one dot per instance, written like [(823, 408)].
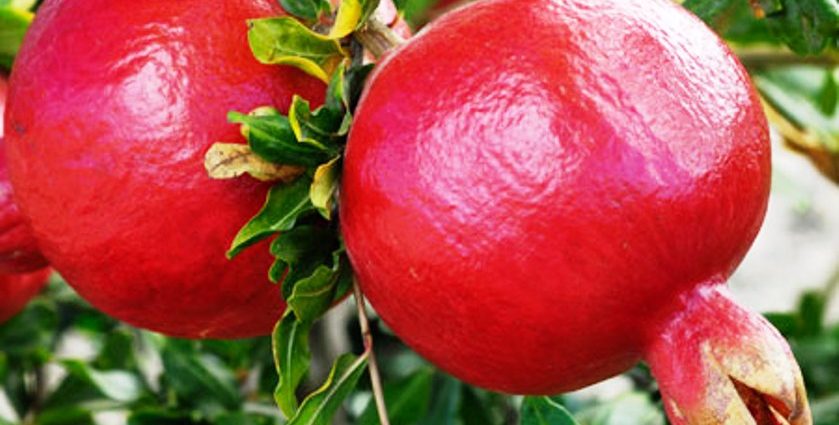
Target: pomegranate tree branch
[(375, 378)]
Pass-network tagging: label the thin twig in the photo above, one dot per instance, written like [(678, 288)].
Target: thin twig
[(373, 368), (760, 58)]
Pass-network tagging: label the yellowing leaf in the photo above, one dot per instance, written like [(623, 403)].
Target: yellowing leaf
[(352, 14), (324, 186), (231, 160), (286, 41), (349, 13)]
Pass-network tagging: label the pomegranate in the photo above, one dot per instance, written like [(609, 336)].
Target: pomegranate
[(567, 197), (111, 110), (18, 250), (17, 289), (20, 260)]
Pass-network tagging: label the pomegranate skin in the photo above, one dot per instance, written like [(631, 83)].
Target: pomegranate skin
[(529, 221), (19, 251), (17, 289), (111, 110)]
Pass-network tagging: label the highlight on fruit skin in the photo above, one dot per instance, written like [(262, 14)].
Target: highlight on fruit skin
[(567, 201), (122, 102)]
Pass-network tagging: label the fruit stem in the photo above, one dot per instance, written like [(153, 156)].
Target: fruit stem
[(373, 367), (377, 38), (717, 363)]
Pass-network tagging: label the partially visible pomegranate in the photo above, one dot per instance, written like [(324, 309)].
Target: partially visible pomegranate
[(566, 196), (18, 250), (17, 289), (111, 110)]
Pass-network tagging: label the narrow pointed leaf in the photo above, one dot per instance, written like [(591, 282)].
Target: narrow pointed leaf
[(300, 251), (290, 342), (117, 385), (320, 406), (285, 204), (407, 399), (271, 137), (314, 295), (544, 411)]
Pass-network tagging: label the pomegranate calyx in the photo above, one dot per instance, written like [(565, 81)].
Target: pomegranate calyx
[(719, 363)]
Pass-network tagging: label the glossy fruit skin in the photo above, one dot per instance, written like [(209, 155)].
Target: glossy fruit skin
[(111, 110), (19, 251), (17, 289), (530, 221)]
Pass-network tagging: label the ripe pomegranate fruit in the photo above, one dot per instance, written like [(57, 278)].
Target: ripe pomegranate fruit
[(111, 109), (18, 250), (567, 198)]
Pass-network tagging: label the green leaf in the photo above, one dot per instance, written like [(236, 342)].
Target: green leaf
[(290, 341), (300, 251), (158, 417), (286, 41), (544, 411), (271, 137), (811, 308), (407, 400), (806, 26), (285, 204), (474, 410), (14, 22), (66, 415), (803, 100), (325, 186), (116, 385), (352, 14), (314, 295), (320, 406), (788, 324), (337, 100), (306, 9), (320, 127), (353, 86), (198, 378), (716, 13), (445, 402)]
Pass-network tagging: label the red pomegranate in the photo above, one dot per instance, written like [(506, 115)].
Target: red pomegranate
[(566, 196), (18, 250), (20, 260), (17, 289), (111, 110)]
